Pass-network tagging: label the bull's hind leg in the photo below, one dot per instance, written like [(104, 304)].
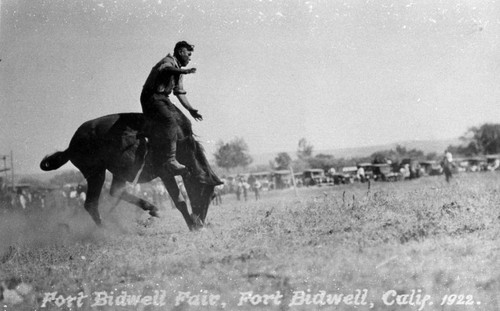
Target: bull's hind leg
[(174, 192), (94, 182), (118, 190)]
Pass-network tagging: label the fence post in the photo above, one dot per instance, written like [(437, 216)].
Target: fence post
[(293, 181)]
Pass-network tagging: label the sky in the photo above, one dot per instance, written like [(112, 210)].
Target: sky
[(338, 73)]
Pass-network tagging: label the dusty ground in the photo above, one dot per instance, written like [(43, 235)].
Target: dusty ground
[(421, 242)]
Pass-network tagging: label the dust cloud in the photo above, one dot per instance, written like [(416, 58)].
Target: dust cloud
[(62, 225)]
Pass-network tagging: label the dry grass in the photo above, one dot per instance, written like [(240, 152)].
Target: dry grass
[(424, 235)]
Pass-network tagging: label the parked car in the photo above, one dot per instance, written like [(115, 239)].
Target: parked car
[(431, 168), (368, 168), (342, 178), (493, 162), (315, 176), (281, 179), (383, 172), (349, 172)]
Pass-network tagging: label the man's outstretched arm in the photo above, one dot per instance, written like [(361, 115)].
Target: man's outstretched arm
[(174, 70), (185, 102), (181, 95)]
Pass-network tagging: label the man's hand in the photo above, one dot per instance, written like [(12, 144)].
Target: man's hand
[(194, 113), (190, 70)]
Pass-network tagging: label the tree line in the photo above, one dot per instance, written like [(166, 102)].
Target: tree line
[(482, 140)]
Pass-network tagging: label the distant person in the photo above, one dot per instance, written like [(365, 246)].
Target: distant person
[(73, 193), (447, 164), (266, 184), (246, 187), (448, 155), (360, 174), (407, 173), (239, 189), (22, 198), (256, 189), (81, 190), (217, 199), (165, 78), (251, 179)]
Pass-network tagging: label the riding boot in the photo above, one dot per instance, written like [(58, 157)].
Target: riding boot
[(171, 164)]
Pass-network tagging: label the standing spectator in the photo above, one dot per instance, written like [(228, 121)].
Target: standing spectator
[(21, 198), (246, 187), (81, 192), (251, 179), (360, 174), (239, 189), (81, 198), (447, 164), (218, 194), (448, 156), (256, 188)]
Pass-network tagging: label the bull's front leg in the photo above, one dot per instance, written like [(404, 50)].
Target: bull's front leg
[(118, 190), (173, 190)]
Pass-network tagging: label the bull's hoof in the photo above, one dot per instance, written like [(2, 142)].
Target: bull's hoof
[(197, 222)]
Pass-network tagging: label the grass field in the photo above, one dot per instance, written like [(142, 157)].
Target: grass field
[(413, 245)]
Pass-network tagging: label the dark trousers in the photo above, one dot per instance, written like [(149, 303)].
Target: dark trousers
[(163, 114), (165, 119)]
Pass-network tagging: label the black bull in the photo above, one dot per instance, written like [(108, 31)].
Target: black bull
[(117, 143)]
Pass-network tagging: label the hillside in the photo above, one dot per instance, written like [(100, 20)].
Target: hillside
[(427, 146)]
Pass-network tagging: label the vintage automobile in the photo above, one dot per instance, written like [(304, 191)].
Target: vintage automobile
[(346, 175), (282, 179), (383, 172), (493, 162), (342, 179), (431, 168), (315, 176), (471, 164), (368, 168)]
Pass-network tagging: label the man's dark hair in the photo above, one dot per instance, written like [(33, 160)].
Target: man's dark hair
[(183, 44)]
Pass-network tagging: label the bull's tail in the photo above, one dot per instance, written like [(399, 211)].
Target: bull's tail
[(54, 161)]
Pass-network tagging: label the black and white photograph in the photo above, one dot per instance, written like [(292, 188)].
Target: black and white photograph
[(250, 155)]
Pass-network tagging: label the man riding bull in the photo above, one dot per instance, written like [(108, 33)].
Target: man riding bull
[(166, 78)]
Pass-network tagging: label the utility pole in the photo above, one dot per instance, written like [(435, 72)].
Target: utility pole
[(293, 181), (5, 165), (4, 169), (12, 169)]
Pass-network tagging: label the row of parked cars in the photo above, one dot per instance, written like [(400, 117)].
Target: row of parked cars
[(346, 175), (406, 169), (478, 164)]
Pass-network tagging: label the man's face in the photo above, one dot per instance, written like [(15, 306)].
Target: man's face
[(184, 56)]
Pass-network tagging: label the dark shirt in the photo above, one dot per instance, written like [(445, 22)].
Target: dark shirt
[(163, 82)]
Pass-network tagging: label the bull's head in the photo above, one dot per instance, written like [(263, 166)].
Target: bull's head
[(200, 180)]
